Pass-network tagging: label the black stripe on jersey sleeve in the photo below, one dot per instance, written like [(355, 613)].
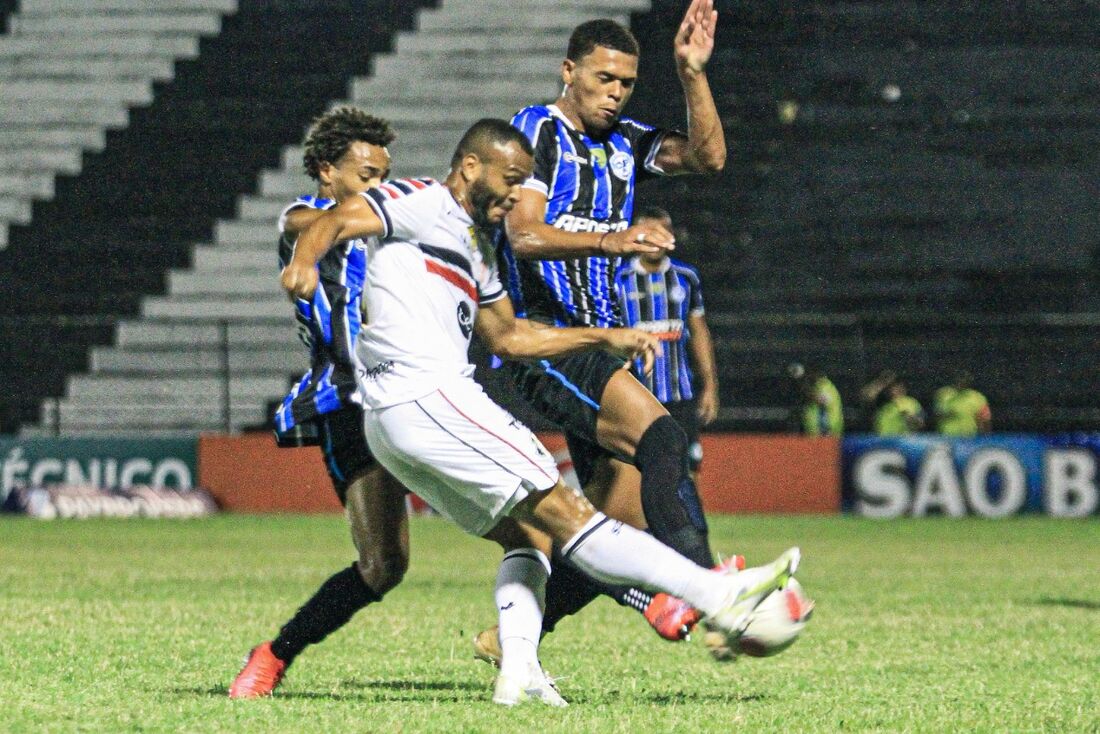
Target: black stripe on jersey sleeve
[(450, 257), (401, 186), (547, 153), (377, 200)]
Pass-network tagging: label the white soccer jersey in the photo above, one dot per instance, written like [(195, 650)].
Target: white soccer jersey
[(426, 276)]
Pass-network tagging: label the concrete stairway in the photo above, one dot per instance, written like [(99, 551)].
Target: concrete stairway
[(167, 372), (70, 70)]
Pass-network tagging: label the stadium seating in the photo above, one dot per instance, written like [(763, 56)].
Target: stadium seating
[(159, 184), (233, 279), (910, 185), (932, 186)]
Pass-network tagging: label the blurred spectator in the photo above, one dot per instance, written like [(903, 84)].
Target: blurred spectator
[(820, 409), (900, 413), (873, 397), (960, 409), (664, 297)]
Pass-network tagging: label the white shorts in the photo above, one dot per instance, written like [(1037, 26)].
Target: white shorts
[(462, 453)]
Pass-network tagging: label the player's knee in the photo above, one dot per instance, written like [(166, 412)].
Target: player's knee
[(383, 569), (664, 437)]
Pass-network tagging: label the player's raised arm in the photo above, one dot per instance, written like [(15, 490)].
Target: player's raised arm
[(513, 338), (351, 219), (298, 219), (533, 239), (704, 148)]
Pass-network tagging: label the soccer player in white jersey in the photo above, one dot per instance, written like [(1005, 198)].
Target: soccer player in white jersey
[(431, 282)]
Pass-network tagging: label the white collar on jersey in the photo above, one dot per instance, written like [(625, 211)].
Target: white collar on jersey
[(640, 269), (560, 115)]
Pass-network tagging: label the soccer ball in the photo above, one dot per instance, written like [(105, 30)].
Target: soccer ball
[(773, 626)]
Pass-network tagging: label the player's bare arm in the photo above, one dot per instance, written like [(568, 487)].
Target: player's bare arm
[(513, 338), (533, 239), (299, 219), (351, 219), (704, 148), (702, 352)]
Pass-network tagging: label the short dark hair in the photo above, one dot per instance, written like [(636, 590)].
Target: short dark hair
[(332, 133), (485, 133), (653, 212), (601, 32)]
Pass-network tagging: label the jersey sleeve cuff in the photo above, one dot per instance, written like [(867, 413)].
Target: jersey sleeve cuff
[(651, 159), (380, 210), (493, 297), (535, 185)]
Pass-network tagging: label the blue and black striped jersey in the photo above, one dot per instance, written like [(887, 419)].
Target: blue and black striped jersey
[(332, 319), (589, 186), (660, 303)]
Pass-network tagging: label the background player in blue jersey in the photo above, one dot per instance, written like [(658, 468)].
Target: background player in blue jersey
[(345, 152), (564, 240), (663, 296)]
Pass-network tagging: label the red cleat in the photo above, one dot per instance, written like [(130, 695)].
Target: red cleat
[(261, 674), (673, 618)]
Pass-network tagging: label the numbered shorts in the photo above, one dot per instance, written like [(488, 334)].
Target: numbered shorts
[(462, 453)]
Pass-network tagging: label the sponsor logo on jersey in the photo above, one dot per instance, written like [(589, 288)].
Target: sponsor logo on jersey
[(571, 157), (667, 330), (465, 319), (599, 157), (373, 373), (622, 165), (574, 223)]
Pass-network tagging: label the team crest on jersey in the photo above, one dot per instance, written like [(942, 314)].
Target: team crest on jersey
[(622, 165), (465, 319), (677, 293)]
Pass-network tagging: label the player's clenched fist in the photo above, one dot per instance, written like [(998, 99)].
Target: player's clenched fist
[(641, 238), (634, 344), (299, 281)]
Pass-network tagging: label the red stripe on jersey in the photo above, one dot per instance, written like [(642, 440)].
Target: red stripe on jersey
[(502, 440), (414, 183), (458, 281), (391, 191)]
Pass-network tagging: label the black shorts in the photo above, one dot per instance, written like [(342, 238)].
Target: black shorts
[(344, 447), (683, 412), (567, 391)]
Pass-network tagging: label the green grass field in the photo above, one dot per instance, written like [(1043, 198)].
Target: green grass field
[(931, 625)]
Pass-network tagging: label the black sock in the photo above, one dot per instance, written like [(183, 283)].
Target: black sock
[(669, 497), (568, 590), (329, 609)]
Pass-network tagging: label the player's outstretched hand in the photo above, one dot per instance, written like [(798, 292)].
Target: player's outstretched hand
[(634, 344), (299, 281), (694, 42), (639, 239)]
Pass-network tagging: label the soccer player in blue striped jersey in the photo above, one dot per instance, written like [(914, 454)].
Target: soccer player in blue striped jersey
[(564, 240), (663, 296), (345, 152)]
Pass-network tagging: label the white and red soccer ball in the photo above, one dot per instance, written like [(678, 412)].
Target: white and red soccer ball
[(773, 626)]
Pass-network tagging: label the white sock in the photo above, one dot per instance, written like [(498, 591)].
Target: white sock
[(521, 599), (618, 554)]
